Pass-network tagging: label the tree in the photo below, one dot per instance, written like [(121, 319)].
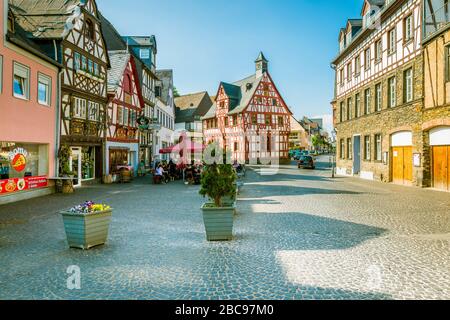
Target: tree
[(176, 94)]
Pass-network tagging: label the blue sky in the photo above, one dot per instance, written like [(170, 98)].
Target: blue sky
[(208, 41)]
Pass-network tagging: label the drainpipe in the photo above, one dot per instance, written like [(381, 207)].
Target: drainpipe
[(58, 112)]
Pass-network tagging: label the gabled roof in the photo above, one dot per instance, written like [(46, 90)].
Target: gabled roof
[(190, 101), (192, 106), (166, 78), (119, 61), (378, 3), (45, 19)]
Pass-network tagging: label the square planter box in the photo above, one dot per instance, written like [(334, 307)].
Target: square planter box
[(85, 231), (218, 222)]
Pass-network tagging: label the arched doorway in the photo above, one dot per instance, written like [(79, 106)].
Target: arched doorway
[(402, 157), (440, 149)]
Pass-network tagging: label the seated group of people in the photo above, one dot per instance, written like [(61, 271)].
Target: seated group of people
[(166, 172), (193, 173)]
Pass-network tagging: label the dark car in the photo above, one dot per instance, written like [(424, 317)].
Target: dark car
[(306, 162)]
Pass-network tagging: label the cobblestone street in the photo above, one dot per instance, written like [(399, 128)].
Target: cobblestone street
[(299, 235)]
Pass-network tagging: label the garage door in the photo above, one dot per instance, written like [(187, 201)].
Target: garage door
[(402, 164), (402, 157), (440, 142)]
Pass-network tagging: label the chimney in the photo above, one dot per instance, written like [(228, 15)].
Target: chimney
[(261, 65)]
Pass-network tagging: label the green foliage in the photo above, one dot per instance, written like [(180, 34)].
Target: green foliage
[(176, 94), (218, 181)]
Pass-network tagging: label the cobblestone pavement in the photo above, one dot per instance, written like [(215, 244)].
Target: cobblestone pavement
[(299, 235)]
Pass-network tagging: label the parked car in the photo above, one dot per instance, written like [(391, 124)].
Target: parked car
[(306, 162), (297, 155)]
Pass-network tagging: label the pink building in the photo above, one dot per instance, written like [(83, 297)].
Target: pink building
[(29, 109)]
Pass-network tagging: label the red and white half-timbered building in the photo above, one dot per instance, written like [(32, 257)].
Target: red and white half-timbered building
[(125, 106), (250, 119)]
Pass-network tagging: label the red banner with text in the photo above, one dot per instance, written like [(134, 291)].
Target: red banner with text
[(21, 184)]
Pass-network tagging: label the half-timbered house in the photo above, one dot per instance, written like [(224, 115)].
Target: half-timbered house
[(70, 33), (250, 118), (125, 106)]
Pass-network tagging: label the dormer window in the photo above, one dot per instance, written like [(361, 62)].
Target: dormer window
[(90, 30)]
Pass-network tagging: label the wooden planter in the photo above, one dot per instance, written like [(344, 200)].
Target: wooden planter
[(218, 222), (85, 231)]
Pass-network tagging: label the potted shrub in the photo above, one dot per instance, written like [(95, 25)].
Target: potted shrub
[(87, 225), (64, 155), (218, 183)]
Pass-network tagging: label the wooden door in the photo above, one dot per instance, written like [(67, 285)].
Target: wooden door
[(441, 168), (397, 165), (402, 165)]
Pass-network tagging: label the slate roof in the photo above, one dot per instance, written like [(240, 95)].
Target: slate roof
[(166, 78), (44, 19), (192, 106), (240, 94), (119, 61)]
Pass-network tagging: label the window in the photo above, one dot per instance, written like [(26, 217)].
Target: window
[(21, 82), (408, 28), (90, 30), (367, 61), (120, 115), (378, 150), (44, 89), (378, 97), (254, 119), (378, 51), (367, 148), (268, 120), (91, 66), (367, 98), (342, 149), (341, 76), (235, 120), (274, 102), (392, 41), (77, 61), (1, 73), (408, 85), (357, 66), (349, 72), (83, 63), (79, 108), (226, 121), (125, 116), (349, 108), (342, 111), (357, 105), (133, 115), (96, 69), (280, 121), (94, 111), (349, 149), (144, 54), (392, 94), (236, 146)]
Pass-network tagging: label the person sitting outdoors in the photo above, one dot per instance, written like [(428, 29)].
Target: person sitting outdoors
[(159, 175)]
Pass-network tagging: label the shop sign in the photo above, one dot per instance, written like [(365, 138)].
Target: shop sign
[(21, 184), (18, 159)]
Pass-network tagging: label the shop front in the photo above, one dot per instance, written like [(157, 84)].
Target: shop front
[(84, 163), (120, 156), (24, 169)]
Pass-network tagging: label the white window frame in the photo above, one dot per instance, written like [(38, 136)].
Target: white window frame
[(378, 147), (367, 59), (392, 92), (367, 101), (145, 57), (408, 25), (94, 111), (46, 81), (126, 116), (120, 115), (22, 72), (79, 108), (378, 97), (409, 88), (368, 148), (392, 40)]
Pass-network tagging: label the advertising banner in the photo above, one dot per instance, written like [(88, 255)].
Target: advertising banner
[(21, 184)]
